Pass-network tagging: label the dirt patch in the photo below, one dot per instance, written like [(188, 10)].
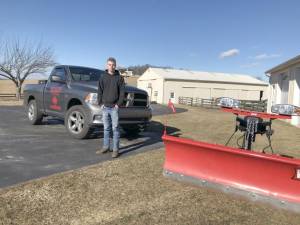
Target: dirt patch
[(133, 190)]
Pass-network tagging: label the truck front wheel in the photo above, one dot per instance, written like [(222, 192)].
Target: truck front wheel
[(76, 122)]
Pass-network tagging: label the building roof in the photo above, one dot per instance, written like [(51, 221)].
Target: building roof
[(175, 74), (284, 65)]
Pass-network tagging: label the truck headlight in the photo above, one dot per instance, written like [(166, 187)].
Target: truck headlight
[(148, 101), (228, 102), (92, 98), (284, 109)]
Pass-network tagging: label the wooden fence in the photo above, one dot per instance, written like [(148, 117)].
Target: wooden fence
[(9, 95), (259, 106), (8, 88)]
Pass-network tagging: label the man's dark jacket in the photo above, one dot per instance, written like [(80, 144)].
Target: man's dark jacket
[(111, 89)]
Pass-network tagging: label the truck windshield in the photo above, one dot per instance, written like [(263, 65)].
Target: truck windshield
[(85, 74)]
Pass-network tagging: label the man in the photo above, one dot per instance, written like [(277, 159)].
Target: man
[(110, 97)]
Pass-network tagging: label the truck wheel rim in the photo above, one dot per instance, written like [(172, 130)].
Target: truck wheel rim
[(31, 111), (76, 122)]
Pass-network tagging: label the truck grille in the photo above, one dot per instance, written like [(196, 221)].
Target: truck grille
[(135, 99)]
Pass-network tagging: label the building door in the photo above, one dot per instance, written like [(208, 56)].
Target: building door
[(284, 89), (273, 95), (296, 98), (297, 87), (155, 96), (172, 96), (149, 90)]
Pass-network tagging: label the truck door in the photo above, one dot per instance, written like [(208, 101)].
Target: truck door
[(54, 93)]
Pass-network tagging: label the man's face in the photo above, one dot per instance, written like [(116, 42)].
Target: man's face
[(111, 66)]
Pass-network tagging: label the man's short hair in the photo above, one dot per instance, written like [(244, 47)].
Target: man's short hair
[(112, 59)]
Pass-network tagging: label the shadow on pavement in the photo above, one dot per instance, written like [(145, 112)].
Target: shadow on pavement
[(153, 135), (52, 121)]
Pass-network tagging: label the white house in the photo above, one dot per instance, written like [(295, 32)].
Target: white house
[(165, 84), (285, 85)]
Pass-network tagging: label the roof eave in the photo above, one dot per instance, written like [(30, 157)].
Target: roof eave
[(283, 65), (218, 81)]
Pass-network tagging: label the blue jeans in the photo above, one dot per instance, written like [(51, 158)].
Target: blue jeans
[(110, 117)]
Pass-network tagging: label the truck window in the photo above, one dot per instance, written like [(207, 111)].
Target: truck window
[(59, 72), (85, 74)]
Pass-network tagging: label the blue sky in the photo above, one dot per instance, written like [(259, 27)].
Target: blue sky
[(246, 37)]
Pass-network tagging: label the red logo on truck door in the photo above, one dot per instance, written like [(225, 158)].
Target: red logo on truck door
[(55, 91)]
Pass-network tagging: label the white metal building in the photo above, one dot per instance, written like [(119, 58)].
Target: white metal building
[(285, 85), (165, 84)]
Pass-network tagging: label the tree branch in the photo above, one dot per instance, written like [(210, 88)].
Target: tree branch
[(19, 60)]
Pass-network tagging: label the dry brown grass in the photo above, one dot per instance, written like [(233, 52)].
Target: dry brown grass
[(128, 191), (10, 102), (214, 126), (133, 191), (8, 87)]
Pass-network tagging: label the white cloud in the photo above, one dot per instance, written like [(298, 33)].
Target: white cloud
[(229, 53), (250, 65), (266, 56)]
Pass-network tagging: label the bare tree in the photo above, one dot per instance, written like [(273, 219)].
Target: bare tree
[(18, 61)]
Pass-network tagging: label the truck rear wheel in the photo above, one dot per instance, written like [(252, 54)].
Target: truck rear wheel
[(34, 115), (76, 122)]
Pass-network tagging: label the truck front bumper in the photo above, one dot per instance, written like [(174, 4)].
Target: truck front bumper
[(127, 115)]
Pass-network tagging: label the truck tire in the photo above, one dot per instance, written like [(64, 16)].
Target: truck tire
[(76, 122), (34, 115), (132, 130)]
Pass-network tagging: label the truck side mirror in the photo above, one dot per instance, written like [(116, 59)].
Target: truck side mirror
[(59, 79)]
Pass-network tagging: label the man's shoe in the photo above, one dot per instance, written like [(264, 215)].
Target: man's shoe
[(115, 154), (102, 151)]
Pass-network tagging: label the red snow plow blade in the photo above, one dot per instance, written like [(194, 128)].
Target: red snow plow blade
[(263, 177)]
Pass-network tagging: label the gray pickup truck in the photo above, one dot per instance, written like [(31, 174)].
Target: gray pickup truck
[(70, 93)]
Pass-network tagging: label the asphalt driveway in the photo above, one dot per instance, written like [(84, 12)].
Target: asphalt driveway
[(28, 152)]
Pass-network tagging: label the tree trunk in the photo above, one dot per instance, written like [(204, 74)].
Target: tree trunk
[(18, 92)]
